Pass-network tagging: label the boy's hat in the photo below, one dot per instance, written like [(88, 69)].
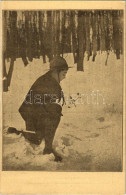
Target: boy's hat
[(58, 63)]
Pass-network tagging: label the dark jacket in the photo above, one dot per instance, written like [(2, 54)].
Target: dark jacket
[(41, 99)]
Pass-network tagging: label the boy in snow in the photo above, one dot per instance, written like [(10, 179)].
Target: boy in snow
[(41, 108)]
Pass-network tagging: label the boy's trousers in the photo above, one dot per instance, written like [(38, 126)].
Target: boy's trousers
[(45, 128)]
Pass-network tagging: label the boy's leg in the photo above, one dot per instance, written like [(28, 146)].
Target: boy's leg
[(50, 129), (37, 126)]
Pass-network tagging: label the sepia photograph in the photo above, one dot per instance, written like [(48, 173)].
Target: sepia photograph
[(62, 90)]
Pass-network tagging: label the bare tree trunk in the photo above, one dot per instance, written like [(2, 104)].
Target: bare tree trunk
[(63, 30), (121, 31), (94, 37), (87, 29), (29, 36), (68, 37), (57, 33), (102, 29), (4, 33), (9, 76), (80, 42), (5, 85), (4, 67), (74, 36), (108, 35), (41, 36), (117, 34), (13, 45), (49, 45)]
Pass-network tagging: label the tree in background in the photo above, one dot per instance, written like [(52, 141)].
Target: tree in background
[(31, 34)]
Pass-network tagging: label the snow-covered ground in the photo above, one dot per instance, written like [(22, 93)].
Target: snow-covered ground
[(89, 136)]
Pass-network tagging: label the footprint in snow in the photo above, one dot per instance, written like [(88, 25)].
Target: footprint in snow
[(101, 119), (93, 135)]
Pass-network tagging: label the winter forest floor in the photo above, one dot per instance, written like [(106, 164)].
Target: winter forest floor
[(89, 136)]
